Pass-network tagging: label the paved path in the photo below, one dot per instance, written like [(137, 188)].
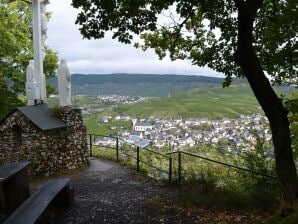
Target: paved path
[(107, 192)]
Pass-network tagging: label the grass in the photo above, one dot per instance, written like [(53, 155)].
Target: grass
[(288, 216), (95, 126), (104, 153), (213, 103)]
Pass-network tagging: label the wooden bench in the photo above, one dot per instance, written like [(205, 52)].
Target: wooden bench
[(54, 192), (14, 186)]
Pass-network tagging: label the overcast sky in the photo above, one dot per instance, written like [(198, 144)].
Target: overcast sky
[(105, 55)]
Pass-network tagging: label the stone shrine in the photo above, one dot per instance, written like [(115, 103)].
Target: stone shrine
[(52, 139)]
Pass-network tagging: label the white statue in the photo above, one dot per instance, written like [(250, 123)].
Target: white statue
[(32, 87), (64, 84)]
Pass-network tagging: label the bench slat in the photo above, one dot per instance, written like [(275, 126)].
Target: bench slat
[(34, 206), (10, 169)]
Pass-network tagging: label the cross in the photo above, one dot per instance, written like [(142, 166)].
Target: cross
[(38, 47), (38, 43)]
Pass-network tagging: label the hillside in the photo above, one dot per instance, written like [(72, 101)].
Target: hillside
[(214, 103), (137, 84)]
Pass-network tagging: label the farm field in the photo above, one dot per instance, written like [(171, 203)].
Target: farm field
[(95, 126), (213, 103)]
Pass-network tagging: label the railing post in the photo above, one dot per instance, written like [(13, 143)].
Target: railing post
[(90, 144), (170, 170), (117, 149), (138, 159), (179, 167)]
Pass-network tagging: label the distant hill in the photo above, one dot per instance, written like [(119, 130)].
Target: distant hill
[(137, 84), (213, 103)]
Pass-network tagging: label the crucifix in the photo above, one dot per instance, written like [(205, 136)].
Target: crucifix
[(39, 30)]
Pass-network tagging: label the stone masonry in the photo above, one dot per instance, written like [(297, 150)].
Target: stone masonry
[(49, 151)]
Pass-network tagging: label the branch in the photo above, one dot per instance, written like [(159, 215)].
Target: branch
[(178, 31)]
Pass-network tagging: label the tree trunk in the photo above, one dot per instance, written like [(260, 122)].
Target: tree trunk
[(247, 59)]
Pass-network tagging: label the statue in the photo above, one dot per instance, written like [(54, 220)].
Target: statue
[(64, 84), (32, 86)]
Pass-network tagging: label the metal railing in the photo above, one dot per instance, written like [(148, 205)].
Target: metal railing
[(138, 159), (168, 157), (213, 161)]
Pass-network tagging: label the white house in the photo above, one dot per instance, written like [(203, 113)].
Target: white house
[(142, 126)]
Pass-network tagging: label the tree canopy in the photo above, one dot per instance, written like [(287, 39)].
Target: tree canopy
[(203, 31), (16, 49), (251, 38)]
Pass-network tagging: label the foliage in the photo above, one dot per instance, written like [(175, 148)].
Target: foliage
[(288, 216), (259, 158), (292, 106), (201, 127), (204, 32), (16, 51), (204, 183)]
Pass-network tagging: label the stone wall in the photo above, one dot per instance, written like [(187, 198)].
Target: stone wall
[(49, 151)]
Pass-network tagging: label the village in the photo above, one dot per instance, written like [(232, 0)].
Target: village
[(114, 99), (177, 133)]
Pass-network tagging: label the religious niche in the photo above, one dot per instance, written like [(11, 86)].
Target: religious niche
[(17, 135)]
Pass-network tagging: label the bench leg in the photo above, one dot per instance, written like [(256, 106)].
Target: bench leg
[(14, 192), (65, 197)]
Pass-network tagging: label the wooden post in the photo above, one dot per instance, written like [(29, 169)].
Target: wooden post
[(90, 144), (179, 167), (117, 149), (170, 170), (138, 158)]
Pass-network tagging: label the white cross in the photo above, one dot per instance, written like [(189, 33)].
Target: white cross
[(38, 48)]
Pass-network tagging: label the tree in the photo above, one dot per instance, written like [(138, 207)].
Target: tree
[(248, 38), (292, 106), (16, 49)]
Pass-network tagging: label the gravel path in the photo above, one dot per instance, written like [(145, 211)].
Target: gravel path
[(107, 192)]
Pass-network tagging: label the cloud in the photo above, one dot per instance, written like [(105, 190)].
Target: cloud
[(105, 55)]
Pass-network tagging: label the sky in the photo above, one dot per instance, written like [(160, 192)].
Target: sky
[(105, 56)]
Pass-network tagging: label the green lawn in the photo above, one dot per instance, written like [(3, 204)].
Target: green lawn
[(95, 126)]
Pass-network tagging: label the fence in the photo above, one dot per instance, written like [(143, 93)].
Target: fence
[(118, 145)]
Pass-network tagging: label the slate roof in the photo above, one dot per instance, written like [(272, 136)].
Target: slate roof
[(40, 116), (143, 143), (144, 124)]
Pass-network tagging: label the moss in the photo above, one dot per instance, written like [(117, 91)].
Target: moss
[(283, 216)]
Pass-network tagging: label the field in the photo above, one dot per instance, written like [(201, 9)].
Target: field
[(95, 126), (213, 103)]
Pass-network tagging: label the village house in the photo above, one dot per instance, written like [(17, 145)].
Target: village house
[(142, 126)]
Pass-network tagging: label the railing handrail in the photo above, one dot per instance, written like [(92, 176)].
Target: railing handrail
[(106, 136), (168, 156), (138, 150), (222, 163), (158, 153)]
